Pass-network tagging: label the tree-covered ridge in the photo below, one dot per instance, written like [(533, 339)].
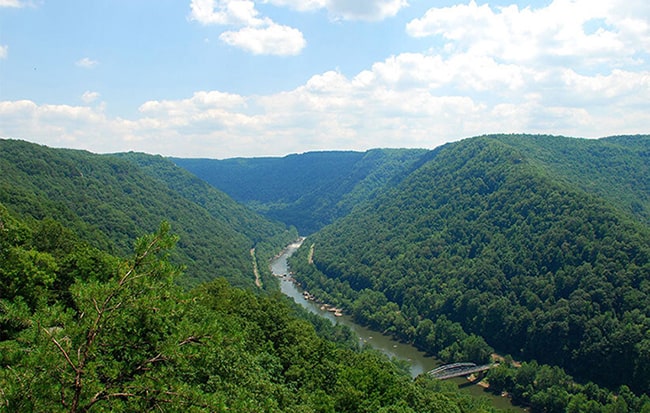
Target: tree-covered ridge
[(108, 202), (307, 190), (265, 235), (482, 241), (218, 204), (614, 168), (82, 330)]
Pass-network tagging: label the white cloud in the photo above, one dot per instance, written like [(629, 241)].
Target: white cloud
[(89, 97), (225, 12), (371, 10), (407, 100), (300, 5), (573, 67), (272, 39), (365, 9), (86, 63), (11, 3), (256, 35), (261, 35), (555, 33), (200, 101), (57, 125), (4, 51)]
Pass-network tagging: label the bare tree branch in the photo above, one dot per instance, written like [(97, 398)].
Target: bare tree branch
[(103, 309), (61, 349)]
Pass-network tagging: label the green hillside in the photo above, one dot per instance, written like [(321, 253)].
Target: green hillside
[(533, 246), (218, 204), (487, 241), (308, 190), (83, 330), (108, 201), (615, 168), (266, 236)]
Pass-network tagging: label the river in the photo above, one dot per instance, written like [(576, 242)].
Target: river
[(419, 362)]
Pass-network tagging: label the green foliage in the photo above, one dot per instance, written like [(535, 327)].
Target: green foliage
[(615, 168), (308, 190), (218, 204), (487, 241), (550, 389), (129, 339), (107, 201), (538, 246)]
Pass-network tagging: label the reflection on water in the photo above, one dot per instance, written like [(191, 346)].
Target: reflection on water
[(417, 359), (419, 362)]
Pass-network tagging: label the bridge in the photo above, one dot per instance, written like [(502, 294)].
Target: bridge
[(458, 369)]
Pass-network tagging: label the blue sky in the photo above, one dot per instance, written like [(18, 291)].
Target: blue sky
[(225, 78)]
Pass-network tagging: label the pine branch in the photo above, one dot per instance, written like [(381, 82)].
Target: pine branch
[(61, 349)]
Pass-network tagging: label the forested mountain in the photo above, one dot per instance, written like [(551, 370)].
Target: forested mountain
[(265, 235), (535, 246), (108, 201), (308, 190), (217, 203), (83, 330), (86, 325), (615, 168), (492, 240)]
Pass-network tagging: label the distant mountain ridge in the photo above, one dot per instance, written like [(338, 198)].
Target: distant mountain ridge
[(495, 237), (108, 200), (615, 168), (308, 190), (218, 204), (314, 189)]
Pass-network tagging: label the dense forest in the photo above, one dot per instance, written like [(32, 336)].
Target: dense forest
[(535, 247), (83, 330), (487, 246), (266, 236), (307, 190), (614, 168), (109, 201)]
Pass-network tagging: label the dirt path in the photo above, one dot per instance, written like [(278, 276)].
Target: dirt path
[(310, 259), (258, 282)]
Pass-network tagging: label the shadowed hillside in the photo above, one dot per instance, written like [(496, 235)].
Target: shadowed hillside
[(492, 238), (308, 190), (108, 201)]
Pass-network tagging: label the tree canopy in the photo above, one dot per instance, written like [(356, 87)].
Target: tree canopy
[(307, 190), (109, 200), (82, 330), (484, 242)]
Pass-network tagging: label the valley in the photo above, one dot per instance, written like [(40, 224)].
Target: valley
[(537, 246), (414, 360), (529, 244)]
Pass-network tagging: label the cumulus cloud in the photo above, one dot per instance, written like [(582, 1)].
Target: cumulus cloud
[(11, 3), (579, 32), (89, 97), (225, 12), (254, 34), (57, 125), (370, 10), (86, 63), (365, 9), (4, 51), (261, 35), (272, 39), (407, 100), (199, 102), (571, 67)]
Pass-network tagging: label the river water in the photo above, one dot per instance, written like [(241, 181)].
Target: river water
[(417, 359), (419, 362)]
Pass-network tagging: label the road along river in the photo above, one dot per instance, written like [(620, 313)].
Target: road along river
[(419, 362)]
